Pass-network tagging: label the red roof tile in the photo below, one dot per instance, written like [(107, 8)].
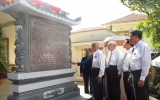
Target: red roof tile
[(129, 18)]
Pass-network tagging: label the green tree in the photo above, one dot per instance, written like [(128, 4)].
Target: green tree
[(150, 26), (3, 60)]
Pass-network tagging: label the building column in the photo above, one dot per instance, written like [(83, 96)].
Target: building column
[(19, 43)]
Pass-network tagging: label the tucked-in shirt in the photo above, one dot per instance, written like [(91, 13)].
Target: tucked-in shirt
[(126, 60), (141, 59), (116, 59), (99, 62)]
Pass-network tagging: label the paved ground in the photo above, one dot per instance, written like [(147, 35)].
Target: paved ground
[(82, 96), (4, 91)]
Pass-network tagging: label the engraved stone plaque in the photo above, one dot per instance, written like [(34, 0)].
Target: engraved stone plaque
[(48, 44)]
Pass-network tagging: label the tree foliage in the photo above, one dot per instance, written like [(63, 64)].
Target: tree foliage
[(150, 26), (3, 60)]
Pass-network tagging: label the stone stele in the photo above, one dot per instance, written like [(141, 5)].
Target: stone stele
[(43, 51)]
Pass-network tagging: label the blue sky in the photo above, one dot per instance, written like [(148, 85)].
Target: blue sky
[(93, 12)]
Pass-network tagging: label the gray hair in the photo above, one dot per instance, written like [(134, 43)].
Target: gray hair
[(112, 42), (96, 44)]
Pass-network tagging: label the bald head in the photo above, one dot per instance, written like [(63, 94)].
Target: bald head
[(95, 46)]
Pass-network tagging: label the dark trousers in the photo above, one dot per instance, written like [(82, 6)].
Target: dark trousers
[(113, 83), (97, 87), (104, 84), (142, 93), (127, 86), (87, 79)]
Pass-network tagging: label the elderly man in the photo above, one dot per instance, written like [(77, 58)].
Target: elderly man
[(126, 73), (139, 65), (114, 71), (97, 71)]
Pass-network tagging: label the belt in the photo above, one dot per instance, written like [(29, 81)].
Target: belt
[(136, 70), (94, 68), (126, 72), (113, 65), (132, 71)]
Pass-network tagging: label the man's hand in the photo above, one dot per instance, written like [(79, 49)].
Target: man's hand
[(74, 63), (141, 83), (81, 74), (119, 76), (99, 79)]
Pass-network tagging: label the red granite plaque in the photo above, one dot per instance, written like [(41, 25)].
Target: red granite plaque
[(49, 45)]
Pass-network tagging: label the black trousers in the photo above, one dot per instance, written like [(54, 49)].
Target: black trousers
[(97, 87), (113, 83), (127, 86), (87, 79), (142, 93)]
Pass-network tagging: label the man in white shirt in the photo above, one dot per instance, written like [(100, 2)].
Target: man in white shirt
[(126, 60), (97, 71), (114, 71), (139, 65)]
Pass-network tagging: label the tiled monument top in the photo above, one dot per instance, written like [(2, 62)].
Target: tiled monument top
[(38, 8)]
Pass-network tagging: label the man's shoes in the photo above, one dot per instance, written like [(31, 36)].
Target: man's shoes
[(90, 98)]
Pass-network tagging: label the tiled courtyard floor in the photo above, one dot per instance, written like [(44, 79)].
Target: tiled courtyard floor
[(5, 91)]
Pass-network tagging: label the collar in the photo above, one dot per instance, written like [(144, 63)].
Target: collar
[(135, 46), (113, 51), (130, 50), (96, 51)]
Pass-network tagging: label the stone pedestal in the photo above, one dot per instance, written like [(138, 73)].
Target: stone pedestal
[(43, 51), (54, 85)]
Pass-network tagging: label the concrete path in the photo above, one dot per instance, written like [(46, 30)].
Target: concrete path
[(82, 96), (5, 89)]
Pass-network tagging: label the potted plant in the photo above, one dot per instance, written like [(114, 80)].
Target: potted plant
[(3, 60)]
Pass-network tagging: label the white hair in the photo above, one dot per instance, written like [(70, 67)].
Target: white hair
[(112, 42), (96, 44)]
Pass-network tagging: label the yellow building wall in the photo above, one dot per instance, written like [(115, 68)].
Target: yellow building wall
[(10, 33), (91, 35), (127, 26), (147, 40), (76, 57), (122, 26)]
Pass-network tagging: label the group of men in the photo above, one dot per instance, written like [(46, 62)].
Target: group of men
[(134, 66)]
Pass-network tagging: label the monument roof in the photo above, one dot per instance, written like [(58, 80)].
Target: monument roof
[(38, 8), (129, 18)]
